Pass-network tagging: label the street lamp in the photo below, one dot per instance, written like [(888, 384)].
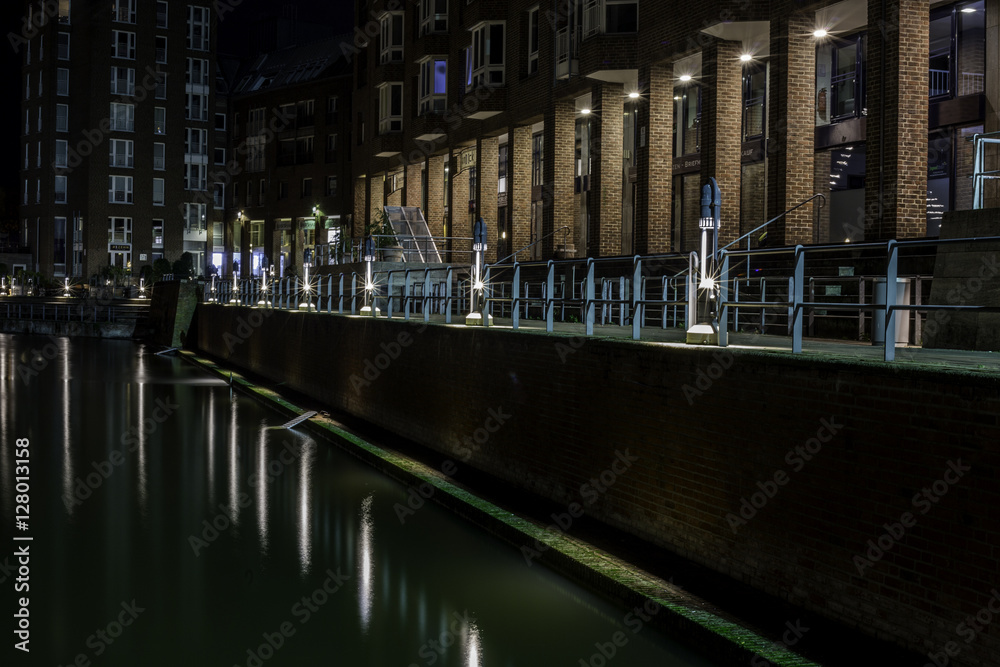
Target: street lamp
[(368, 256), (476, 297), (706, 330)]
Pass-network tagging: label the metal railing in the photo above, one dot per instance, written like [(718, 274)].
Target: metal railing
[(633, 294), (979, 171)]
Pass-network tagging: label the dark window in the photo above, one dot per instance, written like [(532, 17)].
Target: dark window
[(754, 96)]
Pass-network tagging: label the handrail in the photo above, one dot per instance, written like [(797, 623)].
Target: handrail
[(534, 243), (754, 231)]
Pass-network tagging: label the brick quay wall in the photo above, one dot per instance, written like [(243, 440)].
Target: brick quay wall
[(864, 491)]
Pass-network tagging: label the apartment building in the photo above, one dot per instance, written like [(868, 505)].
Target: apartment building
[(289, 197), (119, 121), (587, 127)]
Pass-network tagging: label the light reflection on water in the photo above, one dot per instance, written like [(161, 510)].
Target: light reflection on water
[(315, 511)]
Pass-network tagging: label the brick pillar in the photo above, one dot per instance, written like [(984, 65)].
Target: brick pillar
[(487, 183), (360, 207), (604, 239), (721, 134), (791, 125), (654, 161), (558, 168), (394, 197), (376, 195), (413, 191), (992, 124), (519, 186), (459, 211), (435, 195), (896, 141)]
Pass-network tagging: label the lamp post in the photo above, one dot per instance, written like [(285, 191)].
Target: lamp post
[(706, 330), (477, 315), (235, 299), (368, 256), (211, 296), (263, 288)]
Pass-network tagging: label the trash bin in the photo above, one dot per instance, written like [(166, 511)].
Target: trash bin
[(902, 316)]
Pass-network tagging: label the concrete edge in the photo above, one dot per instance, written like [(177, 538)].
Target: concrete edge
[(710, 631)]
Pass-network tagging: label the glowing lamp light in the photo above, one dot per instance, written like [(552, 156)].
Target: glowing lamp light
[(585, 111), (685, 77), (968, 10), (633, 96), (746, 57), (820, 32)]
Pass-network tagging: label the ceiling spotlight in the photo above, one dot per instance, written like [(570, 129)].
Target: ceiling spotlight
[(819, 32), (685, 77), (633, 96), (746, 57), (585, 111), (968, 10)]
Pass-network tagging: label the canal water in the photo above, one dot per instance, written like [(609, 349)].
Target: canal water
[(173, 523)]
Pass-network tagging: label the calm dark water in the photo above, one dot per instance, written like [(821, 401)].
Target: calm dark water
[(173, 524)]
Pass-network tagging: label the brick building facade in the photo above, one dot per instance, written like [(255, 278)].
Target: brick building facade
[(595, 122), (114, 168)]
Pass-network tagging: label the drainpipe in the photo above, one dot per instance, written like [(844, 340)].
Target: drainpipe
[(881, 115)]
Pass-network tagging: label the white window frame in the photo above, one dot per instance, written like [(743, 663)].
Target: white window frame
[(62, 52), (160, 54), (430, 100), (390, 51), (62, 82), (120, 189), (121, 153), (123, 48), (331, 191), (122, 117), (159, 183), (189, 107), (195, 177), (119, 230), (62, 118), (533, 35), (165, 14), (197, 76), (432, 19), (123, 11), (390, 119), (60, 188), (198, 28), (486, 69), (159, 156), (117, 86), (197, 211), (160, 124), (160, 92), (195, 144)]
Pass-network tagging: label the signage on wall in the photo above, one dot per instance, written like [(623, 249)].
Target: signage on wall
[(308, 224), (283, 225), (466, 160), (501, 199), (120, 247)]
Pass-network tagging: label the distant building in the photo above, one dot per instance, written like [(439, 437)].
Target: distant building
[(289, 198), (587, 127), (120, 129)]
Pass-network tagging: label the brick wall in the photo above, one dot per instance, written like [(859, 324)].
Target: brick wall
[(435, 195), (560, 152), (488, 157), (819, 456), (653, 205), (605, 237), (519, 185), (722, 127)]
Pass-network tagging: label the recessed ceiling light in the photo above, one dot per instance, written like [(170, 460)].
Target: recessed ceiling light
[(633, 96), (685, 77), (585, 111), (746, 57), (968, 10), (819, 32)]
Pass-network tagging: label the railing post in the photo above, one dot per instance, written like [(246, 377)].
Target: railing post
[(427, 295), (637, 301), (797, 307), (340, 299), (723, 300), (487, 294), (406, 295), (692, 291), (588, 303), (448, 295), (515, 296), (388, 305), (354, 292), (891, 271), (550, 301)]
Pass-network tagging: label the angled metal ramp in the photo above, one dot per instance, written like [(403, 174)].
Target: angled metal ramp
[(301, 418), (413, 234)]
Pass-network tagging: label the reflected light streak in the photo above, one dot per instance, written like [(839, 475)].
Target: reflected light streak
[(473, 650), (142, 489), (234, 464), (305, 508), (67, 449), (365, 592), (210, 452), (262, 486)]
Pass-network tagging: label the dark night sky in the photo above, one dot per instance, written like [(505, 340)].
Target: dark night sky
[(336, 13)]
